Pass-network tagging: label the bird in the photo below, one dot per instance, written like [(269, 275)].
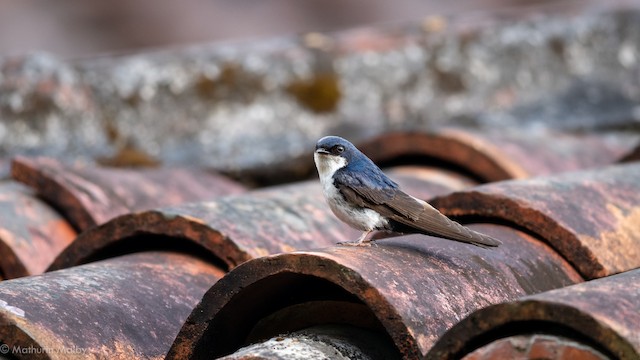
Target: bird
[(361, 195)]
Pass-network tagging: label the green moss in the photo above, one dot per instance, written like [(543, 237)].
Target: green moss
[(232, 83), (129, 156), (320, 94)]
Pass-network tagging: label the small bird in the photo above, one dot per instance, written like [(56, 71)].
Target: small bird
[(361, 195)]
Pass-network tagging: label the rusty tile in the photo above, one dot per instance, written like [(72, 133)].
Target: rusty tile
[(130, 307), (492, 156), (535, 347), (89, 195), (238, 228), (541, 347), (601, 316), (474, 356), (423, 180), (501, 350), (587, 216), (427, 182), (411, 288), (31, 233), (580, 353)]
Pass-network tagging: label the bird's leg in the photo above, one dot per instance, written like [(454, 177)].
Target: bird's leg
[(362, 240)]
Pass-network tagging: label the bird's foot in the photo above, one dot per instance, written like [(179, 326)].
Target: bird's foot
[(355, 243), (363, 240)]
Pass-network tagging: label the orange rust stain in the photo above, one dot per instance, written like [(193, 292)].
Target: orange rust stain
[(624, 237), (287, 248)]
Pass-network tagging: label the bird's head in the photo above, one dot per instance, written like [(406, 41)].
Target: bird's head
[(333, 153)]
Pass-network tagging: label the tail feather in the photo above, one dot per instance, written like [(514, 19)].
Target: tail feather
[(430, 221)]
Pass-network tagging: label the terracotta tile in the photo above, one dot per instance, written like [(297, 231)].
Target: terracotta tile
[(130, 307), (587, 216), (575, 353), (544, 347), (414, 287), (90, 195), (497, 155), (604, 312), (238, 228), (32, 233)]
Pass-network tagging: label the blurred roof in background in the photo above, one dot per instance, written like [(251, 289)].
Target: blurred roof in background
[(78, 28)]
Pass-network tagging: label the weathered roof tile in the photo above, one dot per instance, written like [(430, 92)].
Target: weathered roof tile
[(588, 216), (412, 288), (238, 228), (31, 232), (601, 314), (89, 195), (129, 307), (499, 155)]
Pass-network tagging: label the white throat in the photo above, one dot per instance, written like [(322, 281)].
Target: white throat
[(360, 218), (327, 165)]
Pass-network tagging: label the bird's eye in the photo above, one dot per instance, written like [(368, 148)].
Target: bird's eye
[(339, 149)]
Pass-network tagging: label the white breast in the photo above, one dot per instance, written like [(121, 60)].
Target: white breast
[(357, 217)]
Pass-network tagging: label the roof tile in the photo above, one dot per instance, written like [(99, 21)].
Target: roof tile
[(90, 195), (238, 228), (31, 232), (500, 155), (414, 287), (588, 216), (129, 307), (603, 314)]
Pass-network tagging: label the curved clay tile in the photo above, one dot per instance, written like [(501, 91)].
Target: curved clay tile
[(410, 288), (493, 156), (321, 342), (598, 317), (130, 307), (535, 347), (242, 227), (32, 234), (91, 195), (590, 216)]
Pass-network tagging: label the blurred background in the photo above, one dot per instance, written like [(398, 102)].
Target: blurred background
[(239, 86), (78, 28)]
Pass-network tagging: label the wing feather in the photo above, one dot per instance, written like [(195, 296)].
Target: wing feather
[(405, 209)]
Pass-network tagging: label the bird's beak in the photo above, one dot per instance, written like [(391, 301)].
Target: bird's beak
[(322, 151)]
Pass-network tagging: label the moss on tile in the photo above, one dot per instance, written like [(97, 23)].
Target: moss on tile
[(320, 93), (232, 82)]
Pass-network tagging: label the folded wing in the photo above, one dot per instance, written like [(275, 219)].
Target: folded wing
[(409, 211)]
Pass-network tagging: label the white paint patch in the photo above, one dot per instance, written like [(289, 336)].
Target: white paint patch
[(12, 309)]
